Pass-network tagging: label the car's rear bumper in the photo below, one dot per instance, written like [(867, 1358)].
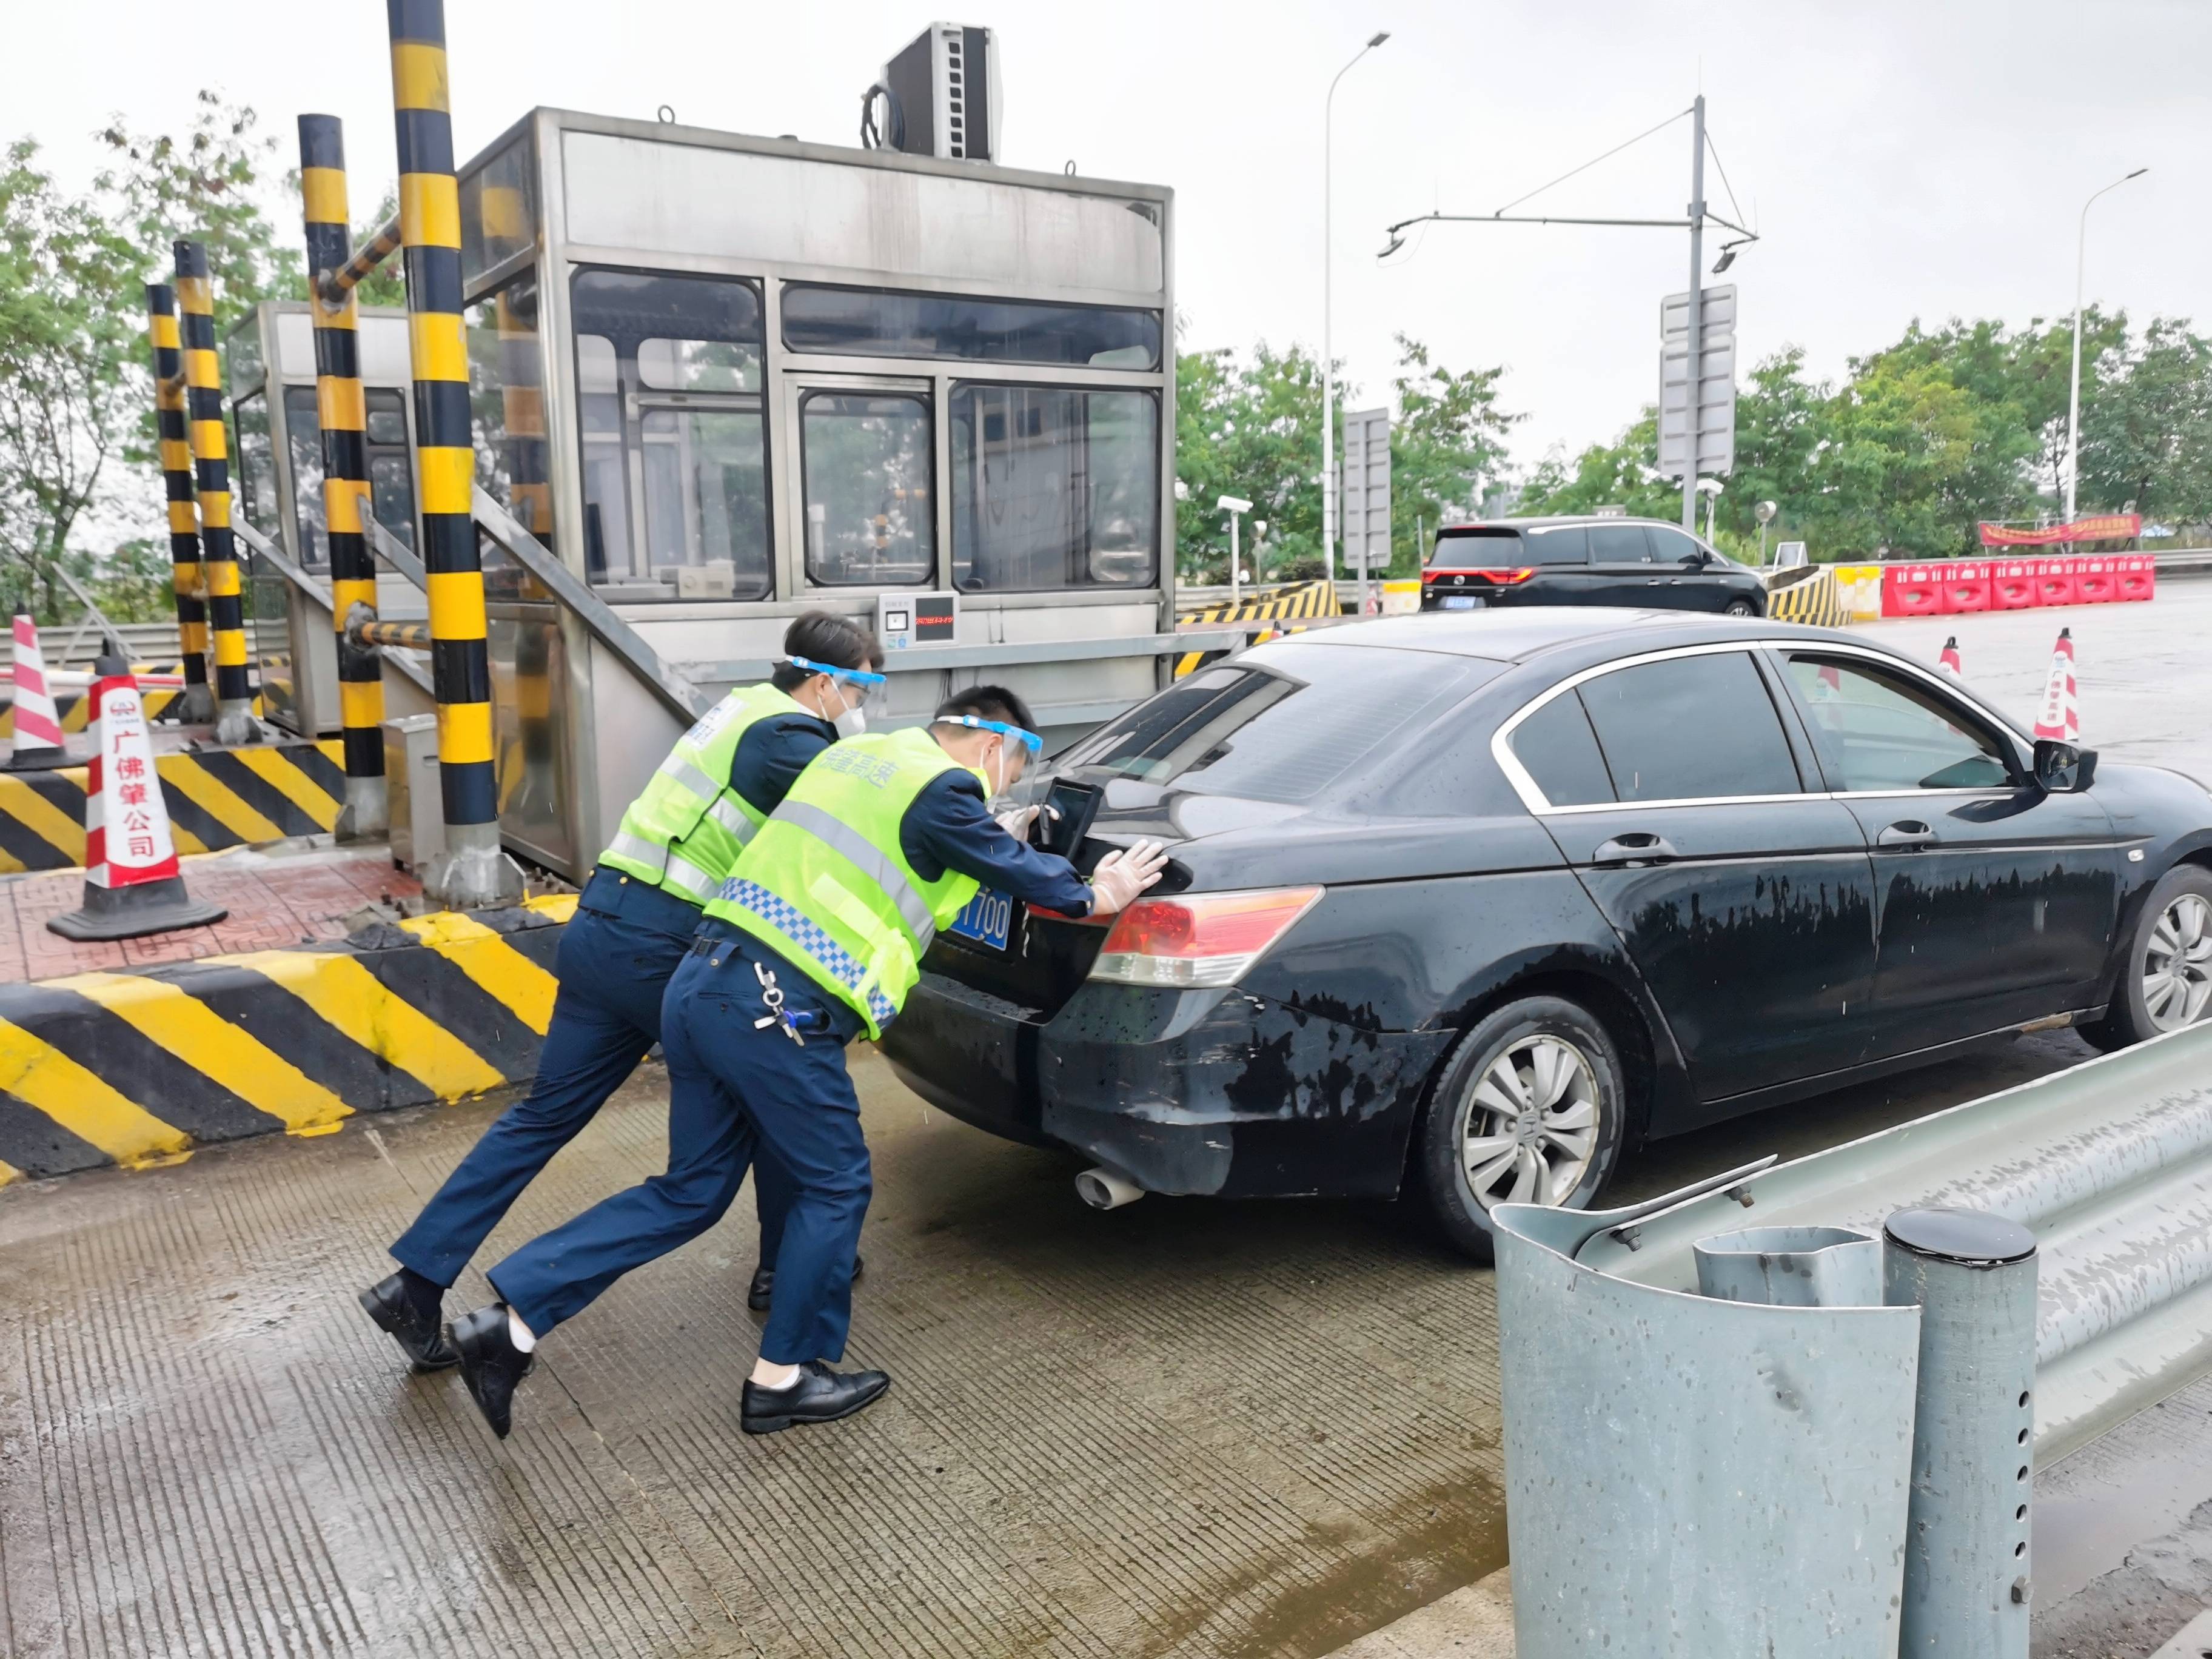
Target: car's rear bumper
[(1212, 1092)]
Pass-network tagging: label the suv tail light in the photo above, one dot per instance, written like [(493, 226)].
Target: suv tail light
[(1198, 939), (1497, 577)]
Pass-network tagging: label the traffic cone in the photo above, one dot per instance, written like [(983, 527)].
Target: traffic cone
[(2059, 719), (38, 746), (131, 883), (1948, 662)]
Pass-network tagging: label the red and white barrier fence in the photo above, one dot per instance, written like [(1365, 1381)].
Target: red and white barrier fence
[(1955, 587)]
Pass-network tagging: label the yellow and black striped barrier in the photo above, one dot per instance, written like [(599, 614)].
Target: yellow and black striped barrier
[(138, 1068), (1810, 597), (1306, 600), (176, 458), (225, 615), (217, 797), (74, 708)]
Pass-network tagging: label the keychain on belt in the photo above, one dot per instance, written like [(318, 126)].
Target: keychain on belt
[(772, 994)]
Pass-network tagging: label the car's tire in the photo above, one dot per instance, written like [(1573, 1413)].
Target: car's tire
[(1739, 608), (2165, 977), (1569, 1073)]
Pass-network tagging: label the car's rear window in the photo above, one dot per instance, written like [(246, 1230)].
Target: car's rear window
[(1281, 723), (1499, 548)]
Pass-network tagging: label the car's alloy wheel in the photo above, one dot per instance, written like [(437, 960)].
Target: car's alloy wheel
[(2176, 972), (1739, 608), (1530, 1109), (1530, 1127)]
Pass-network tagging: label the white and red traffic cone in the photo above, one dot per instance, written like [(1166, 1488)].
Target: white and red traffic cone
[(131, 883), (2059, 719), (1949, 662), (37, 745)]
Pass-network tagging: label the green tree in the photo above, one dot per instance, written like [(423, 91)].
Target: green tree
[(2147, 434), (1623, 473), (1249, 428), (1780, 426), (1447, 442)]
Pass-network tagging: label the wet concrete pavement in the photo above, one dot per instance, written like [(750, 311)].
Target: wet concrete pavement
[(1181, 1428)]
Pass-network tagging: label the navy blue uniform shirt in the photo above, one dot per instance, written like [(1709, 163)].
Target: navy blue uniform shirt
[(950, 827)]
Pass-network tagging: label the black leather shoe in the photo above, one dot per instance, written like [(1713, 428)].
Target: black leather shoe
[(490, 1363), (386, 1301), (820, 1396), (763, 1285)]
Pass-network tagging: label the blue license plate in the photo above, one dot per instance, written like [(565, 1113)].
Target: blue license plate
[(988, 916), (1461, 602)]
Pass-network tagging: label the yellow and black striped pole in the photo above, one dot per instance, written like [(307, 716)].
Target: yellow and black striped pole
[(184, 515), (343, 411), (473, 871), (233, 695)]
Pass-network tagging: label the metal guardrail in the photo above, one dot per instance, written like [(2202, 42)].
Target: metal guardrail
[(2108, 1164), (318, 590)]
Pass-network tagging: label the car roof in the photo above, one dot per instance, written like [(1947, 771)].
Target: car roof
[(1493, 526), (1523, 632)]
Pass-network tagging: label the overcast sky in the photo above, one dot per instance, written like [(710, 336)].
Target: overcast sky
[(1902, 158)]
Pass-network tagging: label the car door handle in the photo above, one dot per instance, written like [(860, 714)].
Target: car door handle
[(1637, 846), (1908, 835)]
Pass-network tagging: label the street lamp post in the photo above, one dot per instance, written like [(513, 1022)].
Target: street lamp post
[(1233, 506), (2074, 397), (1327, 365)]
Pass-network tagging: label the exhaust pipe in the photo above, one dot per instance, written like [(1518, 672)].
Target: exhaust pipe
[(1103, 1189)]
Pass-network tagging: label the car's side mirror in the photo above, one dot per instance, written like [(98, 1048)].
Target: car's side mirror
[(1696, 559), (2060, 769)]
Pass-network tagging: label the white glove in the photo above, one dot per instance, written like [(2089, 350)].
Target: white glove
[(1122, 875), (1016, 821)]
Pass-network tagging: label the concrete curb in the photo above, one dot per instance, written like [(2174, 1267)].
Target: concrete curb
[(1475, 1622), (217, 798), (137, 1068)]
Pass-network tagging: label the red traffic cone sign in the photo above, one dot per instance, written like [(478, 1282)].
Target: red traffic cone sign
[(2059, 719), (38, 744), (1949, 662), (131, 883)]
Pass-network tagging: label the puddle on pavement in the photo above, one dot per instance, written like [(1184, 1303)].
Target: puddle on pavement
[(2086, 1530)]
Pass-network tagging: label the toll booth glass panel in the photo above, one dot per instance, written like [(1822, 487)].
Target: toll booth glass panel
[(869, 517), (675, 438), (507, 407), (872, 323), (256, 462), (1053, 487), (392, 488)]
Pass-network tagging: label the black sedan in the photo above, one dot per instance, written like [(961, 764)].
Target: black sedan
[(1502, 562), (1468, 906)]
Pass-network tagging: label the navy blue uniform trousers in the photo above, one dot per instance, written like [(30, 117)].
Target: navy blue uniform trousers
[(614, 962), (737, 1091)]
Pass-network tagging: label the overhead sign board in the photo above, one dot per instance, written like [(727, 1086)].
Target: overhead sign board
[(1367, 494), (1696, 404)]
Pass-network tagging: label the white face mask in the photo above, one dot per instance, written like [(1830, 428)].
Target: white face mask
[(854, 719)]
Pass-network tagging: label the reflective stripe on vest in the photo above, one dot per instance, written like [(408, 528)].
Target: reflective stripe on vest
[(913, 909), (684, 832), (785, 918)]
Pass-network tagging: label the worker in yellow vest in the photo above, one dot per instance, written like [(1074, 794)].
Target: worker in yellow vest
[(635, 920), (815, 940)]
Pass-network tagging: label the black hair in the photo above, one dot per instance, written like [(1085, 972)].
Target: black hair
[(989, 702), (821, 637)]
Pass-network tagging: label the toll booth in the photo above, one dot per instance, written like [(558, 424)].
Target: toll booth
[(269, 364), (726, 380)]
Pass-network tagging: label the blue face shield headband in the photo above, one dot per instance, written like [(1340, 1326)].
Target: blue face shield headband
[(1029, 740)]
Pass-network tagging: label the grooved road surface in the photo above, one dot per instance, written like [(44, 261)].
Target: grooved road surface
[(1182, 1428)]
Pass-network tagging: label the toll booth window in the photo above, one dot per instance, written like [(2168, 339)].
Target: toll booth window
[(391, 481), (871, 512), (674, 438), (391, 476), (257, 464), (1689, 728), (1053, 487), (870, 322), (303, 443), (507, 405)]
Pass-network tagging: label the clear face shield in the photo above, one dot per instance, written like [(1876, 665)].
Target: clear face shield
[(1007, 790), (859, 696)]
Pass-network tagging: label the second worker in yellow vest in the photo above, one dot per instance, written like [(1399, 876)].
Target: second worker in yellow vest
[(634, 921), (816, 939)]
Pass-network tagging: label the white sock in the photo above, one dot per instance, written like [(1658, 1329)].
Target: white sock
[(520, 1334), (790, 1375)]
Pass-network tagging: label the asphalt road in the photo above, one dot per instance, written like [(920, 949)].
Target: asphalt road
[(1181, 1427)]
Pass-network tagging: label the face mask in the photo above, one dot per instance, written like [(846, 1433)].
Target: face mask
[(854, 719)]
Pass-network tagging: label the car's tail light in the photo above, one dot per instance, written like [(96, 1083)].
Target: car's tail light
[(1507, 578), (1501, 578), (1198, 939)]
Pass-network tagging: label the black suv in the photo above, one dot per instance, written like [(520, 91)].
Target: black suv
[(1637, 563)]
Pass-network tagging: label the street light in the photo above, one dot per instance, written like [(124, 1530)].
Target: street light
[(1234, 505), (1764, 513), (1328, 366), (1711, 488), (2073, 399)]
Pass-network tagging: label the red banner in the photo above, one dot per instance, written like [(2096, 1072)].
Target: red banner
[(2110, 527)]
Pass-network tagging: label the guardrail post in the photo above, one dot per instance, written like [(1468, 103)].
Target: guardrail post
[(473, 870), (176, 448), (1973, 1275), (233, 691), (340, 404)]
